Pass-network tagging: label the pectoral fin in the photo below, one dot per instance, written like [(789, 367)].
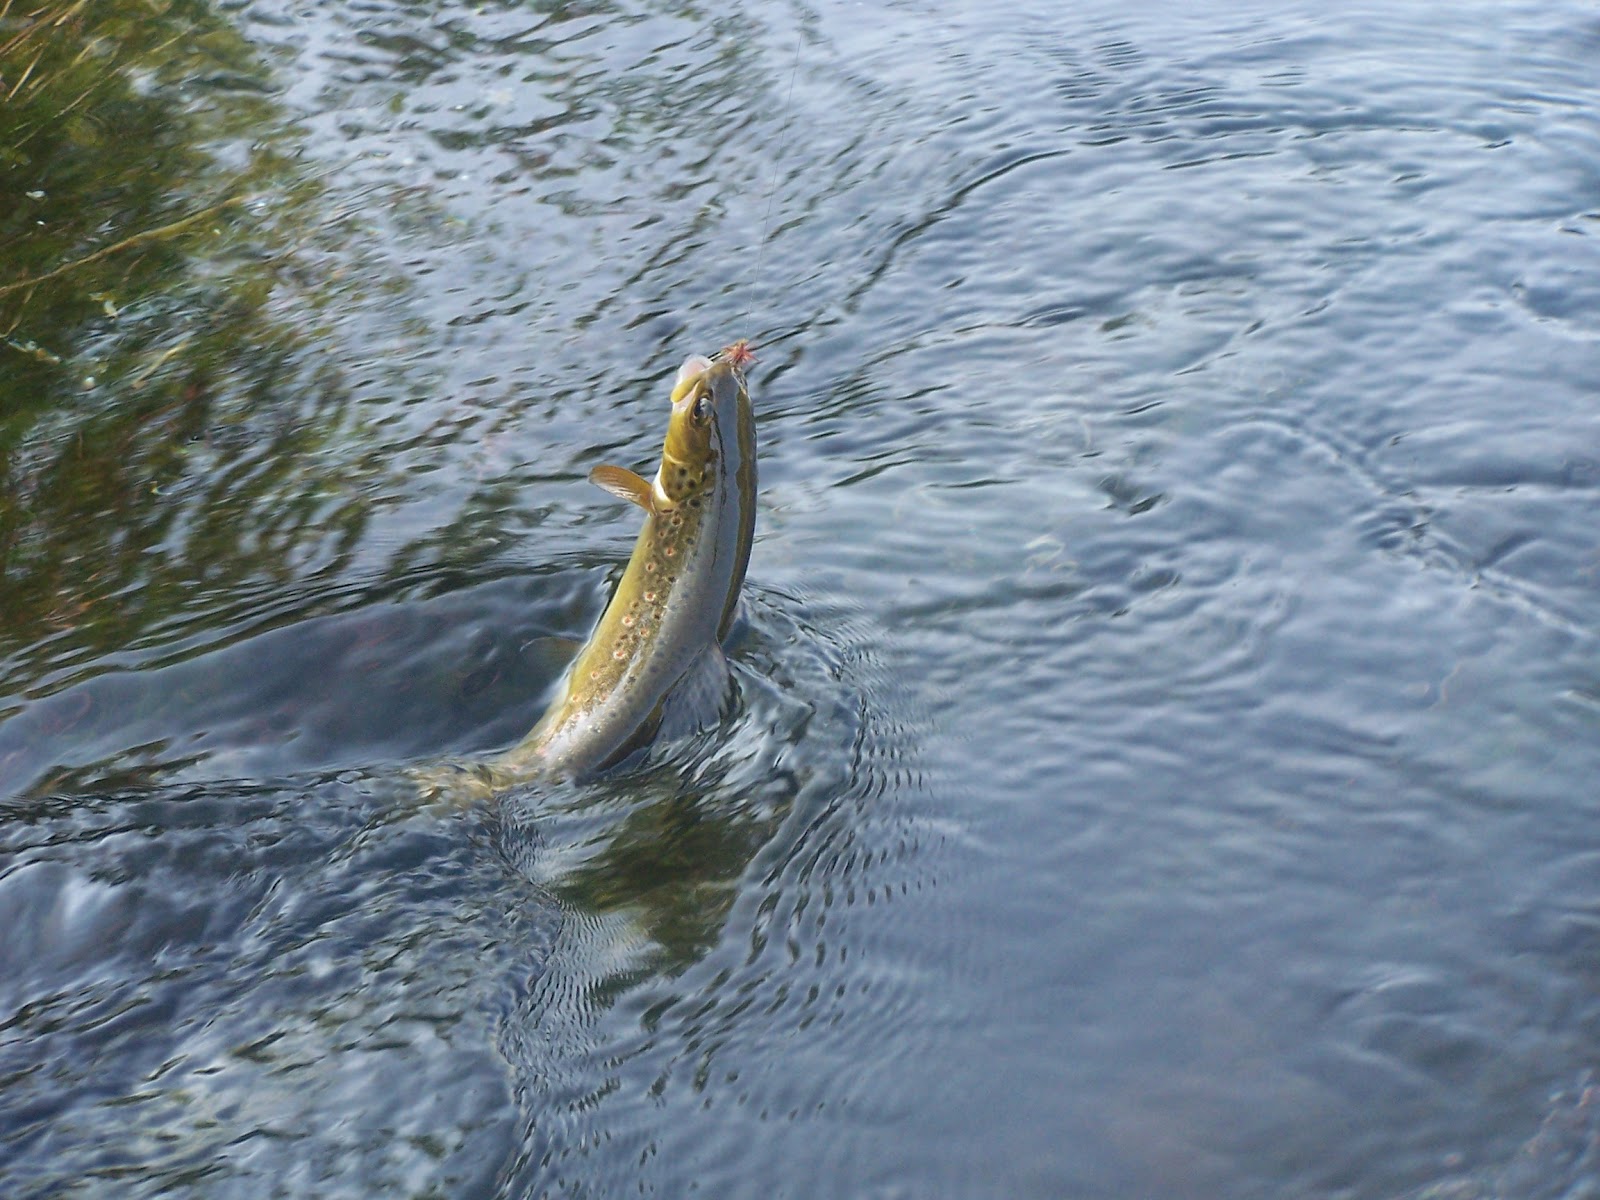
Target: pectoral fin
[(623, 484)]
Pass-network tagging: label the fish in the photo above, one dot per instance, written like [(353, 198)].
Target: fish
[(658, 645)]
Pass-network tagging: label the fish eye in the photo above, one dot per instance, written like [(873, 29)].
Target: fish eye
[(702, 409)]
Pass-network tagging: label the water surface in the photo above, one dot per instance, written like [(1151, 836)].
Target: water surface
[(1168, 706)]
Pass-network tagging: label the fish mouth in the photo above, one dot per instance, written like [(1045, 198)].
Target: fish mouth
[(690, 373), (734, 357), (707, 397), (705, 408)]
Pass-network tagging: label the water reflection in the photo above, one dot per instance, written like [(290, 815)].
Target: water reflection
[(112, 179), (168, 434)]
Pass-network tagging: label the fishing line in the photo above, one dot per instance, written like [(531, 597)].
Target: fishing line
[(772, 187)]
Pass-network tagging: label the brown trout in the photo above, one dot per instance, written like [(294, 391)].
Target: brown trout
[(659, 642)]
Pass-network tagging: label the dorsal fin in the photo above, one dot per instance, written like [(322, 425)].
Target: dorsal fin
[(625, 485)]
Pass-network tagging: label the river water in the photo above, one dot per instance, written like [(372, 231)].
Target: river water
[(1166, 749)]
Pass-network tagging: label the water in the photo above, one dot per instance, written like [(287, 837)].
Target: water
[(1168, 709)]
